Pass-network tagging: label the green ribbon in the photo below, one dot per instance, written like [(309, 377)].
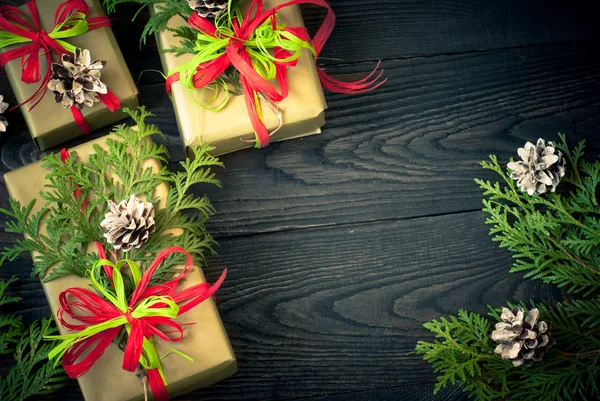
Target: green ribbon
[(75, 25), (147, 307), (259, 46)]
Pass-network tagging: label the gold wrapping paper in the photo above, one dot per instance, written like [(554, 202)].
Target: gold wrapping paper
[(49, 122), (205, 341), (303, 109)]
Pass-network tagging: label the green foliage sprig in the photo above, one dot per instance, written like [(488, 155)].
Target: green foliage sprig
[(160, 16), (31, 373), (11, 327), (165, 10), (462, 353), (554, 238), (114, 174)]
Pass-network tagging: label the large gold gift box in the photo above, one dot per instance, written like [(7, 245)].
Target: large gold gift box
[(230, 129), (205, 341), (49, 122)]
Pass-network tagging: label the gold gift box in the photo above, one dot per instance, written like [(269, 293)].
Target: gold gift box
[(205, 341), (230, 129), (49, 122)]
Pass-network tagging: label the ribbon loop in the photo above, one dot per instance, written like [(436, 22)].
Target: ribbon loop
[(16, 28), (248, 48), (102, 318)]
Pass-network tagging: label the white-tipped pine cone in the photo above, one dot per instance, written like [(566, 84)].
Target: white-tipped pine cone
[(208, 8), (76, 80), (522, 340), (3, 107), (540, 169), (128, 224)]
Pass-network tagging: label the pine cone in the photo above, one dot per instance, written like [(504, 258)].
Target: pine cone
[(76, 80), (522, 341), (208, 8), (3, 107), (128, 224), (541, 167)]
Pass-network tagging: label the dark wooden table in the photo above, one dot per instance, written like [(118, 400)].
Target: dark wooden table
[(340, 246)]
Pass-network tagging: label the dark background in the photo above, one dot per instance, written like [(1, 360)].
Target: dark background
[(340, 246)]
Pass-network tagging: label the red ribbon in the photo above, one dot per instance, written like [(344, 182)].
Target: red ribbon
[(109, 99), (90, 309), (15, 21), (252, 83)]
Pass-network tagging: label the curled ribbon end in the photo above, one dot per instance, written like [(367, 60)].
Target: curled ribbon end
[(370, 82), (64, 154)]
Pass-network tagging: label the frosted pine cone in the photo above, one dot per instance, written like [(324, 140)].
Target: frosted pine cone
[(208, 8), (3, 107), (540, 169), (523, 341), (128, 224), (76, 80)]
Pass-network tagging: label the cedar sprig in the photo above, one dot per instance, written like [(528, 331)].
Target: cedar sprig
[(188, 37), (115, 174), (462, 353), (32, 373), (165, 10), (11, 326), (554, 237)]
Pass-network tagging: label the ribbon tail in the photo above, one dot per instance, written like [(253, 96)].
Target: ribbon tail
[(78, 117), (76, 369), (157, 386), (171, 79), (368, 83), (108, 270), (110, 100), (133, 348), (262, 134), (195, 299)]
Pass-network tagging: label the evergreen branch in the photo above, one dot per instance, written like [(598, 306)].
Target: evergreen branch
[(463, 353), (114, 174), (188, 37), (554, 237), (11, 327), (165, 10), (586, 309), (33, 374)]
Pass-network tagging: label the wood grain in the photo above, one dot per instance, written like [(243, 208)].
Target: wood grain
[(395, 29), (411, 148), (407, 28), (421, 392), (340, 246), (321, 311)]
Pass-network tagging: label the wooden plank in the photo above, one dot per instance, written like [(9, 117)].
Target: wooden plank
[(407, 28), (411, 148), (418, 392), (394, 29), (331, 310)]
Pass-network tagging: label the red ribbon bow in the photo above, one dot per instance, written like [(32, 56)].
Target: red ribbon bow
[(90, 309), (15, 21), (252, 83)]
